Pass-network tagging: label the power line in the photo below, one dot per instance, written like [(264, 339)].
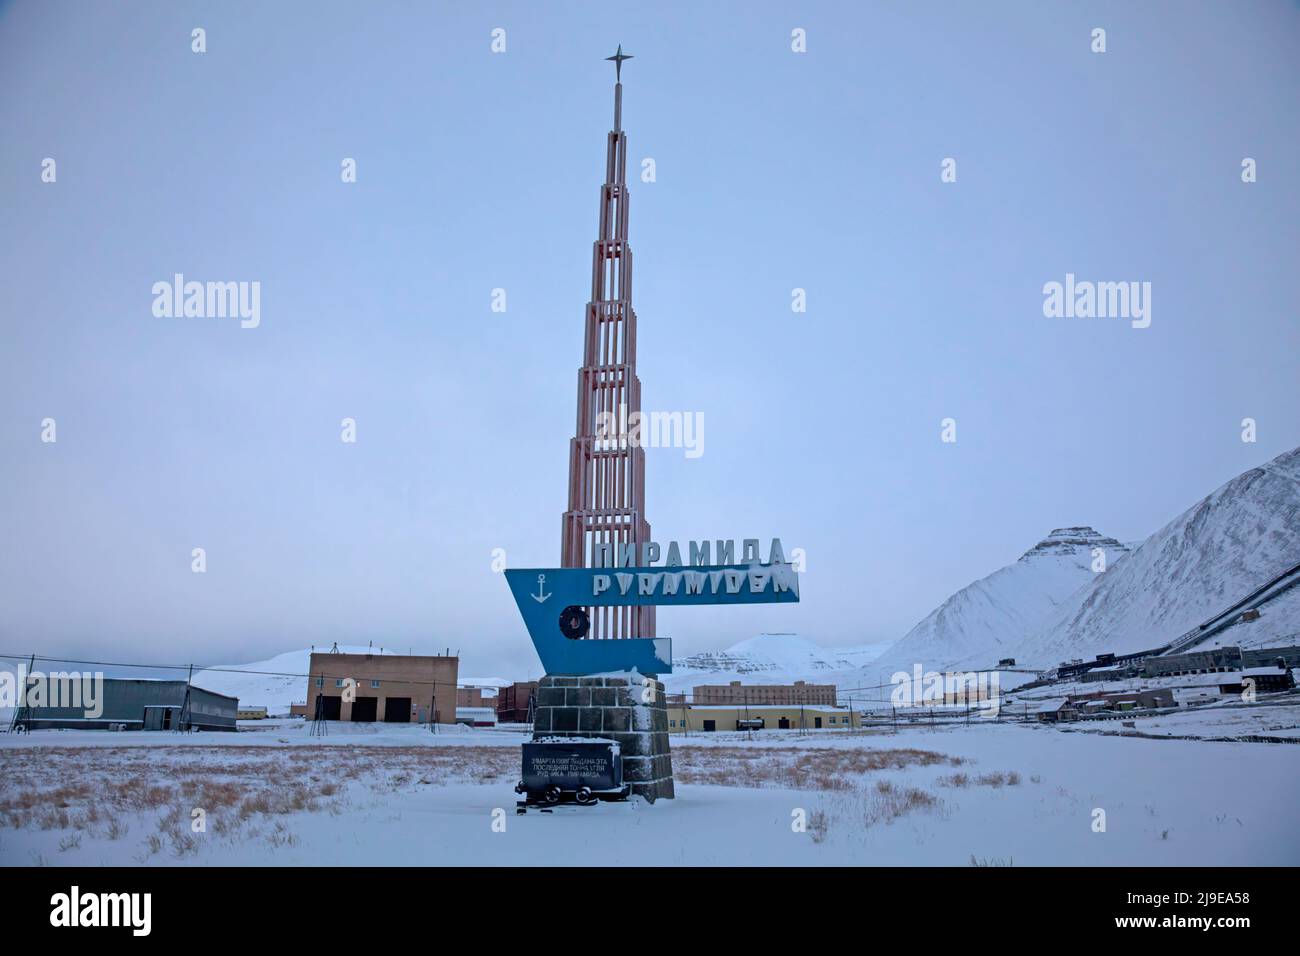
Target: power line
[(688, 696), (218, 670)]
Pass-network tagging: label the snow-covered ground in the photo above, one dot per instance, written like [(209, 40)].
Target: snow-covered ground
[(1278, 625), (1202, 710), (1005, 793), (1268, 717)]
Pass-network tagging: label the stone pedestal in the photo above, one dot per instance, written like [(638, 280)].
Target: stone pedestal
[(630, 709)]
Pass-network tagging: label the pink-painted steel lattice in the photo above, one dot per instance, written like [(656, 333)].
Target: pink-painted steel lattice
[(606, 471)]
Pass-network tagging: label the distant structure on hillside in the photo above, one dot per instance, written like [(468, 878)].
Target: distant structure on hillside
[(1262, 680), (710, 695)]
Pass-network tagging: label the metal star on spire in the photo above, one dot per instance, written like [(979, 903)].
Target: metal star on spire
[(618, 59)]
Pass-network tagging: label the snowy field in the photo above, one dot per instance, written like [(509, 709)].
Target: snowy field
[(990, 794)]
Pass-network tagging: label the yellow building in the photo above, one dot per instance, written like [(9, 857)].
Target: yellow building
[(689, 719)]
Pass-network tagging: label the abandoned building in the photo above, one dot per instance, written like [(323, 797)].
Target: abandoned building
[(129, 704), (388, 688)]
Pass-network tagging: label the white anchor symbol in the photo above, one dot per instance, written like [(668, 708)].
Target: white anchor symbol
[(541, 594)]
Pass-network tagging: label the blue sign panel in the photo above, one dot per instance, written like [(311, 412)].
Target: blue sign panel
[(551, 602)]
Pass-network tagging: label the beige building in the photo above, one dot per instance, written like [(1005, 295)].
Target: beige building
[(696, 719), (389, 688), (476, 697), (708, 695)]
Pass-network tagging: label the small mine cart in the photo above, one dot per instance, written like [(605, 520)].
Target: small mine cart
[(581, 769)]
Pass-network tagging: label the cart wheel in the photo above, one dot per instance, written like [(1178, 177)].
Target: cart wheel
[(552, 794), (585, 797)]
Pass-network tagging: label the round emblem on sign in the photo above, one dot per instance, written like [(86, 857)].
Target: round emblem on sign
[(574, 623)]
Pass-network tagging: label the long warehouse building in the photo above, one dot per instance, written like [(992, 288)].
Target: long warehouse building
[(131, 704)]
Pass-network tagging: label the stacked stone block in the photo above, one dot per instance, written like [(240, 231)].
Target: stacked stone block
[(630, 709)]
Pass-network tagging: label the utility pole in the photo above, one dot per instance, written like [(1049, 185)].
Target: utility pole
[(22, 713), (318, 724), (183, 723)]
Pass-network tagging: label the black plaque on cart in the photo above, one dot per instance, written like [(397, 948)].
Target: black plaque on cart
[(560, 768)]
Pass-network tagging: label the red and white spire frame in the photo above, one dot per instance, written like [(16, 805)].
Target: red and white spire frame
[(606, 470)]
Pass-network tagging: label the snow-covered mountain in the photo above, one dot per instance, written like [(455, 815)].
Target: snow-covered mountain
[(1209, 557), (274, 683), (993, 617), (1278, 625), (772, 659), (1051, 606)]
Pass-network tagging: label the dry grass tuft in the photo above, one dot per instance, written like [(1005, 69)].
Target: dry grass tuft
[(818, 824), (993, 779), (886, 803), (236, 787), (116, 829), (795, 768)]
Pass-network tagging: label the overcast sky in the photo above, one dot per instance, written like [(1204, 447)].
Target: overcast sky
[(477, 170)]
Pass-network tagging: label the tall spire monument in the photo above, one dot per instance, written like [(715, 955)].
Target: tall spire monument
[(607, 507), (596, 638), (607, 472)]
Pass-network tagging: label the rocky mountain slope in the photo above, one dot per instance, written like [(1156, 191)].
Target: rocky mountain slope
[(1214, 553), (773, 659), (996, 615)]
